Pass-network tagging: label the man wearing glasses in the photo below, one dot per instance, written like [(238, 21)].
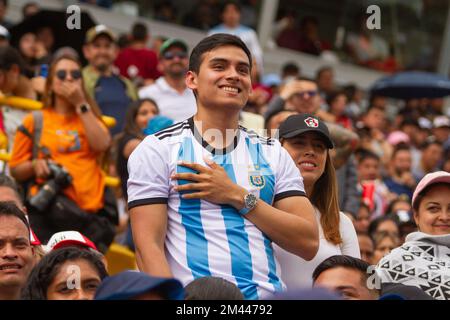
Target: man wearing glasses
[(302, 96), (175, 100)]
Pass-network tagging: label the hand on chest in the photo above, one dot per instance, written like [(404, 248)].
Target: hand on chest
[(253, 174)]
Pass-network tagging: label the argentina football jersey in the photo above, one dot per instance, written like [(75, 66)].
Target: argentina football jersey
[(202, 238)]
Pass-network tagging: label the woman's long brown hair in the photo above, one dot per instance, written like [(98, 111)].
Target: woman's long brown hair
[(325, 197), (48, 97)]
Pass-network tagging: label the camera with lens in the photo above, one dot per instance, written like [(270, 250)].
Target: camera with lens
[(60, 179)]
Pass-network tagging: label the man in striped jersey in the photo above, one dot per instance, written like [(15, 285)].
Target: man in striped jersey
[(207, 197)]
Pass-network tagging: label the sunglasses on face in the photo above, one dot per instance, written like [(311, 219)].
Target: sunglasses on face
[(62, 74), (172, 55), (310, 93)]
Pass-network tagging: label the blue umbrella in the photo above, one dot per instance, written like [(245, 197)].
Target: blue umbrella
[(412, 85)]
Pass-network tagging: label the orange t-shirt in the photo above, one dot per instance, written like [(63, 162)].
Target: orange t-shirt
[(65, 138)]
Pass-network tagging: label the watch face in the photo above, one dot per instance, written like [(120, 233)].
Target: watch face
[(250, 201)]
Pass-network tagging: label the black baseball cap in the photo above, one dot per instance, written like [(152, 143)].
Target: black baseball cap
[(300, 123)]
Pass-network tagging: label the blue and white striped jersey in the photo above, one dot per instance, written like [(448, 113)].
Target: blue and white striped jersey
[(202, 238)]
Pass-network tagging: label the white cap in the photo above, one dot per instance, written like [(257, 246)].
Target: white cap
[(441, 121), (4, 32), (69, 238)]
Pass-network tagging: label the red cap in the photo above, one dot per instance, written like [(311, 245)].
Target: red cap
[(69, 238)]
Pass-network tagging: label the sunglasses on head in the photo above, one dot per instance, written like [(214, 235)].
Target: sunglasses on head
[(310, 93), (62, 74), (172, 55)]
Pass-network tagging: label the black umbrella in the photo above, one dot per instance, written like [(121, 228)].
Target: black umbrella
[(57, 21), (412, 85)]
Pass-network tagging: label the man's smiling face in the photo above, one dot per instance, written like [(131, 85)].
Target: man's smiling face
[(16, 255), (223, 78)]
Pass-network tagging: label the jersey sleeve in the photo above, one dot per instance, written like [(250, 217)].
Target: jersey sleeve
[(23, 145), (289, 182), (148, 169)]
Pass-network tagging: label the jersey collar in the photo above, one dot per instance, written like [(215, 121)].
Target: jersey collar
[(207, 146)]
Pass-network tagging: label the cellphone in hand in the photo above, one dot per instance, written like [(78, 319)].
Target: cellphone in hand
[(43, 70)]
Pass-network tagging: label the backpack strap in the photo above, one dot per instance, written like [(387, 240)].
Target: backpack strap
[(36, 135), (25, 131), (38, 121), (35, 138)]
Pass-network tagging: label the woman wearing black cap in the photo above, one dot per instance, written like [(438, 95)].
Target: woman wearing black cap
[(308, 142)]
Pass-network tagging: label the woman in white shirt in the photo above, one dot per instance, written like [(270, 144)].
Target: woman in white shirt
[(308, 142)]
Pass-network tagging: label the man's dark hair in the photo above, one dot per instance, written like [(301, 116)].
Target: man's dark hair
[(373, 226), (212, 42), (333, 95), (290, 68), (8, 182), (409, 121), (322, 70), (344, 262), (123, 40), (5, 2), (226, 3), (373, 97), (364, 154), (28, 5), (212, 288), (45, 271), (10, 209), (429, 141), (9, 57), (139, 32), (350, 91), (402, 146)]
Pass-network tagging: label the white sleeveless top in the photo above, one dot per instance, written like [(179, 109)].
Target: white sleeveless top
[(297, 272)]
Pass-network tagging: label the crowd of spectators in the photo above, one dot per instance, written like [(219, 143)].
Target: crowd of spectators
[(384, 189)]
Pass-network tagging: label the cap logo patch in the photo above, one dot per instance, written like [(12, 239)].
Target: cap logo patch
[(312, 122)]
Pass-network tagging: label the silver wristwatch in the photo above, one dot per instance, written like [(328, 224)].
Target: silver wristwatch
[(250, 201)]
